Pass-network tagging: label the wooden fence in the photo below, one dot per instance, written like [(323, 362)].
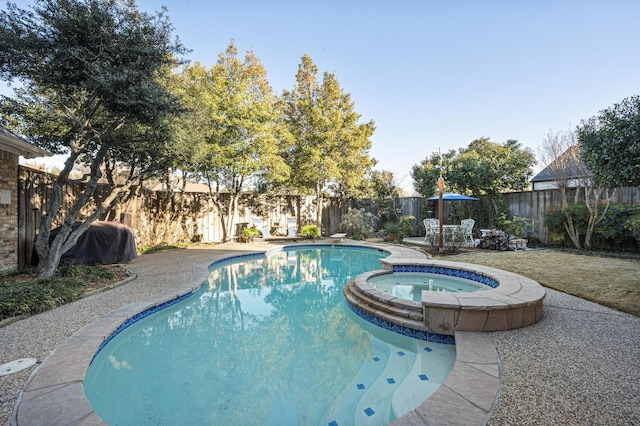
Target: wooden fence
[(160, 217)]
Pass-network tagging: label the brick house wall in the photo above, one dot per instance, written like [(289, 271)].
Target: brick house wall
[(9, 213)]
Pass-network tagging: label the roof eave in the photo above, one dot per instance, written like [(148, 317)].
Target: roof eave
[(15, 145)]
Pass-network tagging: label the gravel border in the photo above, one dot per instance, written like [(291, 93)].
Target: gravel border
[(579, 365)]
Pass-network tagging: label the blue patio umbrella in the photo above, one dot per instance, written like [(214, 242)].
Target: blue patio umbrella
[(452, 196)]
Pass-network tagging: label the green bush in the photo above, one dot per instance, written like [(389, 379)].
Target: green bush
[(250, 233), (311, 231), (514, 226), (358, 223), (618, 223), (633, 226), (85, 273), (554, 220), (621, 223), (22, 297), (407, 225)]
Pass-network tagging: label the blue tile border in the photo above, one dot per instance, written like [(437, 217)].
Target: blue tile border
[(400, 329), (312, 246), (450, 272), (139, 316)]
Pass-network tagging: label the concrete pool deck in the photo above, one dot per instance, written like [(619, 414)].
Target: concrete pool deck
[(579, 364)]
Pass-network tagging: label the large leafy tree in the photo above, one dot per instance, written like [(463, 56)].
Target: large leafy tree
[(610, 144), (482, 168), (331, 147), (235, 131), (90, 74)]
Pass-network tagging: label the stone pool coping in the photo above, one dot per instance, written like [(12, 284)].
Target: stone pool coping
[(54, 392)]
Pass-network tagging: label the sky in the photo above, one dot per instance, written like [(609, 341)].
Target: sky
[(435, 74)]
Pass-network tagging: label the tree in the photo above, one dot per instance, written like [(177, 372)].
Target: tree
[(386, 190), (330, 146), (91, 74), (425, 175), (482, 168), (561, 154), (235, 130), (610, 144)]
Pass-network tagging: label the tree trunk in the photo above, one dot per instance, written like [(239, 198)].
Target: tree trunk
[(594, 216), (568, 220), (50, 253)]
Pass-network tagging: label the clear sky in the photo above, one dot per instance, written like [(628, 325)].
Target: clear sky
[(435, 74)]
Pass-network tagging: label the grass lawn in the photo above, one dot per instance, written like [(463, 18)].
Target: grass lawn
[(608, 281)]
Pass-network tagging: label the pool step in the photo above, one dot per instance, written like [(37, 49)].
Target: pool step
[(387, 307), (375, 406), (342, 410)]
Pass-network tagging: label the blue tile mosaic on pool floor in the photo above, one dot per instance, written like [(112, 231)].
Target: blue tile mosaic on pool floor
[(450, 272), (400, 329)]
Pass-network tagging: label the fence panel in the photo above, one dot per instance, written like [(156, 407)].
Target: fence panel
[(159, 216)]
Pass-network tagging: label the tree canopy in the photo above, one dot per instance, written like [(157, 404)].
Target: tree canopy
[(610, 144), (482, 168), (234, 128), (91, 75), (330, 146)]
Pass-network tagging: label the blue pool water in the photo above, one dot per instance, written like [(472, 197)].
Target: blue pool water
[(266, 340)]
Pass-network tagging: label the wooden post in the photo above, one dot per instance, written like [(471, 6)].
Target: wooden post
[(440, 213)]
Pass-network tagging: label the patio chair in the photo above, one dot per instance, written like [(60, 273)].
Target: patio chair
[(432, 230), (292, 227), (259, 224), (467, 230)]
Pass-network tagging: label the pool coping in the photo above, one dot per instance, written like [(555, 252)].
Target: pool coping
[(54, 392)]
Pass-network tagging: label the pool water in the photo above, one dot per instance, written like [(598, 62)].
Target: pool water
[(266, 340), (409, 285)]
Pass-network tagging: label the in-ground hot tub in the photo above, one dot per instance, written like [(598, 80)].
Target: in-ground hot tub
[(409, 285), (509, 300)]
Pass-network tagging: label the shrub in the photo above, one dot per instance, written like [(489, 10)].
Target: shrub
[(514, 226), (633, 226), (619, 221), (407, 224), (358, 223), (20, 297), (250, 233), (311, 231)]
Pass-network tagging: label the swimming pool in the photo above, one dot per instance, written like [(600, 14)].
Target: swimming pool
[(266, 340), (409, 285)]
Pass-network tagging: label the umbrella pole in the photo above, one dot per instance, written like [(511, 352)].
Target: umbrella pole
[(440, 213)]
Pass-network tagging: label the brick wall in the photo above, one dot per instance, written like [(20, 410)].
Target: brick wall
[(9, 213)]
